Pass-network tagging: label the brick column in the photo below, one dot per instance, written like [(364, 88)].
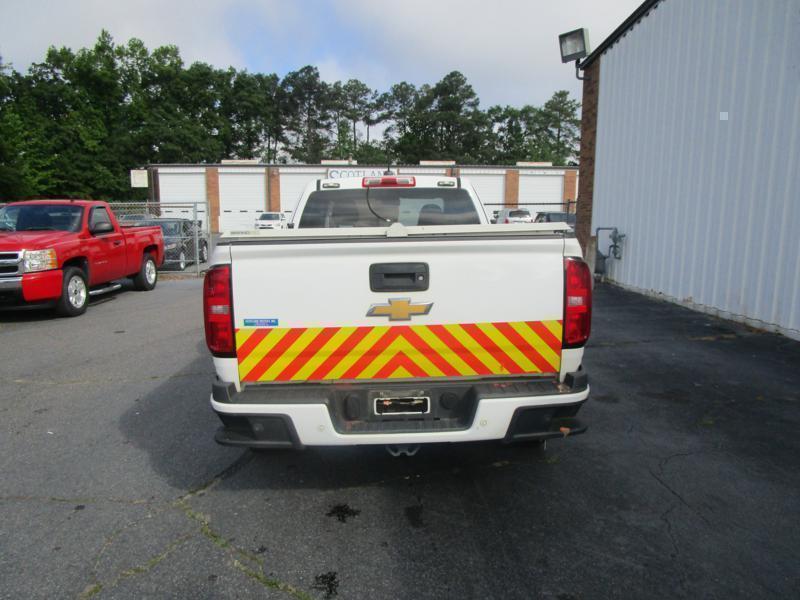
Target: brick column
[(212, 197), (591, 92), (154, 190), (453, 172), (511, 193), (570, 189), (273, 189)]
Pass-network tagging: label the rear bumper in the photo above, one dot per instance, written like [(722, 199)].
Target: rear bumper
[(298, 416)]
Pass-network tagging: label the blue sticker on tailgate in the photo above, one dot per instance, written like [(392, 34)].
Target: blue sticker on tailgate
[(261, 322)]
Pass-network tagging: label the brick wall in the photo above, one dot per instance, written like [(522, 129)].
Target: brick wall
[(591, 91), (273, 189), (212, 196), (570, 189), (511, 193)]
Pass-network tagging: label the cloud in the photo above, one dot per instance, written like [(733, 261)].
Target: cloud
[(29, 27), (506, 48)]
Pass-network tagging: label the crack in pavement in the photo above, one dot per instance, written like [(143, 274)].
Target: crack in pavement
[(237, 555), (667, 487), (251, 565), (663, 462), (95, 588), (116, 380), (96, 585), (668, 523), (87, 500), (666, 520), (234, 552)]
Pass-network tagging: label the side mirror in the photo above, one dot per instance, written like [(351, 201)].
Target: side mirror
[(103, 227)]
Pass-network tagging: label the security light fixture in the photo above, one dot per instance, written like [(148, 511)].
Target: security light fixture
[(574, 45)]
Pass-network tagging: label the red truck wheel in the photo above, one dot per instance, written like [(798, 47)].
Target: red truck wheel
[(147, 276), (74, 293)]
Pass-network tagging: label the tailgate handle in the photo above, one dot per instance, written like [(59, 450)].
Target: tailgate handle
[(398, 277)]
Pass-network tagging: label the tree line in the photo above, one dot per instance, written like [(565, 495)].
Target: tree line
[(76, 123)]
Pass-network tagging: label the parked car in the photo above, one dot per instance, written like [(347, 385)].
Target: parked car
[(58, 253), (556, 217), (400, 319), (179, 241), (514, 215), (133, 218), (271, 220)]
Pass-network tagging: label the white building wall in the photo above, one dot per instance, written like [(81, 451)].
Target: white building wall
[(709, 206)]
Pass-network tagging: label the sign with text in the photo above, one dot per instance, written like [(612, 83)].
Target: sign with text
[(139, 178), (342, 172)]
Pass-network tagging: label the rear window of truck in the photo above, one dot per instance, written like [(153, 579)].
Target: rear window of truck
[(379, 207)]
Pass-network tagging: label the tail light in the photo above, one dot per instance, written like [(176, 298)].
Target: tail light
[(388, 182), (506, 221), (218, 311), (577, 303)]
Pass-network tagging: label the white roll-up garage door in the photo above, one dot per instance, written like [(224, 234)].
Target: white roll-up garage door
[(182, 184), (543, 190), (242, 197), (294, 181), (180, 190), (489, 184)]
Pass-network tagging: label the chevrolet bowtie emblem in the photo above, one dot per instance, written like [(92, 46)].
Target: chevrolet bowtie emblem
[(399, 309)]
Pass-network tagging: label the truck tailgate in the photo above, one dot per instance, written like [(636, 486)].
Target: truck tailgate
[(493, 307)]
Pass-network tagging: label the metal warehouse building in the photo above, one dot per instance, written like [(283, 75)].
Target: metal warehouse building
[(691, 148), (234, 194)]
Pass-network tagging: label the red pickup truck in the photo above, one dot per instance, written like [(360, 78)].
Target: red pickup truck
[(60, 252)]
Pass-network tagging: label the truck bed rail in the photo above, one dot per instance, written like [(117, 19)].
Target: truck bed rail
[(397, 231)]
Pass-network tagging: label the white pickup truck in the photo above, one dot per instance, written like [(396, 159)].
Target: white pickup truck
[(391, 312)]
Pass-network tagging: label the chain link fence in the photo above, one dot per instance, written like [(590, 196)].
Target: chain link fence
[(534, 212), (184, 225)]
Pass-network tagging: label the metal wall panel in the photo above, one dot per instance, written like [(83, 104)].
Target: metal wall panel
[(709, 205)]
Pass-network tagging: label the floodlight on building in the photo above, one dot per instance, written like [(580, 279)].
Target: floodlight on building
[(574, 45)]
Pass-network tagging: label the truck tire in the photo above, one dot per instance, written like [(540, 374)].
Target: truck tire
[(181, 265), (147, 277), (203, 252), (74, 293)]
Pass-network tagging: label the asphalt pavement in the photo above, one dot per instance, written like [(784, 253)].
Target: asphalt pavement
[(111, 486)]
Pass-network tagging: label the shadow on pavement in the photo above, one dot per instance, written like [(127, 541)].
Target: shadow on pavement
[(684, 485)]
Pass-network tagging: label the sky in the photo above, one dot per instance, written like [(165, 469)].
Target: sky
[(507, 49)]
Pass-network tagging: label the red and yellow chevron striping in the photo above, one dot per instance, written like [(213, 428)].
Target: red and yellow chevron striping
[(398, 351)]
